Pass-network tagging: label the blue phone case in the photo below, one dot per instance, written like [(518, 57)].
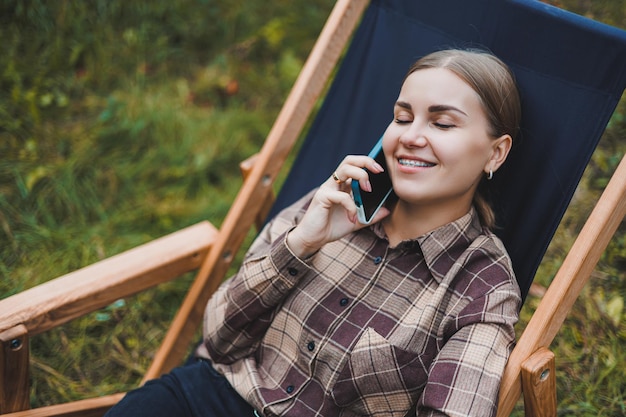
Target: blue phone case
[(368, 203)]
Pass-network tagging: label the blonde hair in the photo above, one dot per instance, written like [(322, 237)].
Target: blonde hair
[(495, 84)]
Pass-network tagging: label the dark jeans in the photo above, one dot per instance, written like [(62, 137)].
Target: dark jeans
[(193, 390)]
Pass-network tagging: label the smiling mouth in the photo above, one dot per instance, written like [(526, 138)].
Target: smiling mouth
[(413, 163)]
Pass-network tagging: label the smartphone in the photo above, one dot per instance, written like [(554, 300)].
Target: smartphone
[(368, 203)]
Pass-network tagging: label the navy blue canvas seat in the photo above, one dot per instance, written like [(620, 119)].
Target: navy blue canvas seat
[(571, 72)]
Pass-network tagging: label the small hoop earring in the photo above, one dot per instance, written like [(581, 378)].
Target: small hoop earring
[(490, 176)]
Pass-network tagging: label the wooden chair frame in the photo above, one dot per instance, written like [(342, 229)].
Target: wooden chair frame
[(531, 366)]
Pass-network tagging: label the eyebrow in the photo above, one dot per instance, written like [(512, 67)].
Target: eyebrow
[(437, 108), (404, 105)]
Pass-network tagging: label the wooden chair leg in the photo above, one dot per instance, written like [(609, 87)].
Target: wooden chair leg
[(539, 384), (14, 378), (92, 407), (246, 168)]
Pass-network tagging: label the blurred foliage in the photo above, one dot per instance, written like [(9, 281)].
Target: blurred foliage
[(122, 121), (184, 89)]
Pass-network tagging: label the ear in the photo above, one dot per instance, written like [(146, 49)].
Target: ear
[(499, 152)]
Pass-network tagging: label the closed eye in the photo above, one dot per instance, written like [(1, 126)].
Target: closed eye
[(444, 125), (402, 121)]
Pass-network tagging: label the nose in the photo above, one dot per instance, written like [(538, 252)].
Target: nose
[(414, 136)]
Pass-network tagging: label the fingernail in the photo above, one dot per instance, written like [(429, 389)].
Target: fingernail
[(378, 166), (368, 187)]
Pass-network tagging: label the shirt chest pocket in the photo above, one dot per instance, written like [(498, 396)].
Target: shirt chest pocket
[(380, 378)]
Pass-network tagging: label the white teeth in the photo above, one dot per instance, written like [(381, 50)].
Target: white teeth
[(413, 163)]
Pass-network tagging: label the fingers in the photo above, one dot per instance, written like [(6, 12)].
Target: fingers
[(333, 213), (343, 199), (351, 168)]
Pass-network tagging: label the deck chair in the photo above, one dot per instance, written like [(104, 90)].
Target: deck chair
[(569, 69)]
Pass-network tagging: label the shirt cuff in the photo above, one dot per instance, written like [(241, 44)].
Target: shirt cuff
[(289, 267)]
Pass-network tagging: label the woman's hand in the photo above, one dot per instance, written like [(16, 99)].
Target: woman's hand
[(332, 213)]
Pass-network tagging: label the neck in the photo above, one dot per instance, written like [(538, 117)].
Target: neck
[(409, 222)]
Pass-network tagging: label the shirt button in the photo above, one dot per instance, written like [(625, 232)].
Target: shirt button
[(378, 260), (311, 346), (290, 389), (292, 271), (343, 302)]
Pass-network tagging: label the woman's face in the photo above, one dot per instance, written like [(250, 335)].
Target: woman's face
[(437, 147)]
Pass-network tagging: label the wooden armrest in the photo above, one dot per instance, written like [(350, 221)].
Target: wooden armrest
[(88, 289)]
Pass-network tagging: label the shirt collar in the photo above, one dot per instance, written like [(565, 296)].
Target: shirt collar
[(442, 246)]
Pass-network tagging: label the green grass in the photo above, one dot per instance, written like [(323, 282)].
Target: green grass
[(123, 122)]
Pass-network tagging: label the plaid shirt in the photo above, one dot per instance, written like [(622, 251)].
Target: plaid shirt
[(365, 329)]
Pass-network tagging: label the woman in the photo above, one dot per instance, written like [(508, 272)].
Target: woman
[(411, 315)]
